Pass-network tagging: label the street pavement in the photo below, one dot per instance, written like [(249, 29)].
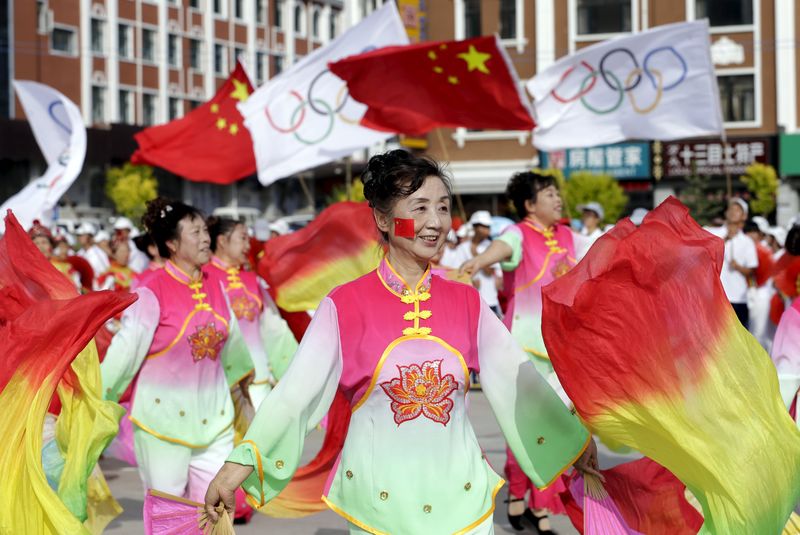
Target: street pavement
[(127, 488)]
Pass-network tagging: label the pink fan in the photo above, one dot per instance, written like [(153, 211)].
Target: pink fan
[(165, 514), (600, 513)]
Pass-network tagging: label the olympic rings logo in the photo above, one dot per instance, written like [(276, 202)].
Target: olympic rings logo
[(311, 104), (622, 85)]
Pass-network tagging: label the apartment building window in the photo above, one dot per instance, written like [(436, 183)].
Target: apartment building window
[(238, 9), (238, 53), (98, 36), (194, 104), (174, 108), (125, 105), (260, 13), (98, 104), (220, 67), (63, 40), (725, 12), (604, 16), (148, 45), (277, 14), (299, 19), (219, 7), (332, 24), (260, 60), (472, 18), (173, 50), (278, 64), (315, 23), (508, 19), (149, 109), (194, 53), (738, 97), (194, 4), (42, 14), (124, 41)]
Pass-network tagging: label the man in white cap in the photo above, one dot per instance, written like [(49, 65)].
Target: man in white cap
[(740, 260), (93, 254), (123, 230), (279, 228), (592, 215), (487, 280)]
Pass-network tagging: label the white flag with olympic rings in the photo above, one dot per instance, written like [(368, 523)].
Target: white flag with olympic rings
[(304, 117), (658, 84)]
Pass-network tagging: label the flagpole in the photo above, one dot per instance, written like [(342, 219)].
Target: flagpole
[(302, 179), (728, 180), (459, 201)]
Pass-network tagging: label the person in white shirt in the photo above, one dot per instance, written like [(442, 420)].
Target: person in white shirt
[(123, 230), (592, 215), (89, 251), (740, 260), (486, 280)]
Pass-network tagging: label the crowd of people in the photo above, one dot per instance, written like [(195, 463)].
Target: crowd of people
[(404, 344)]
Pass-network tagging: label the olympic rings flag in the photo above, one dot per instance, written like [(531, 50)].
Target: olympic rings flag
[(58, 127), (305, 117), (658, 84)]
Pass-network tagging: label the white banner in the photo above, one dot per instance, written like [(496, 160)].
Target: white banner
[(304, 117), (59, 130), (658, 84)]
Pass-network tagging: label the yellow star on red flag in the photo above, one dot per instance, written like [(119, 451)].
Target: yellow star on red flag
[(475, 60)]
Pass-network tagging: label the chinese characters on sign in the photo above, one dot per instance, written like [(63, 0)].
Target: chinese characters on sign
[(713, 157), (622, 160)]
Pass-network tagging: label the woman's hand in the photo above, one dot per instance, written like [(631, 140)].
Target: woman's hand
[(587, 463), (223, 487), (470, 267)]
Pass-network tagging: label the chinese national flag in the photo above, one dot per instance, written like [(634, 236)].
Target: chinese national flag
[(209, 144), (413, 89)]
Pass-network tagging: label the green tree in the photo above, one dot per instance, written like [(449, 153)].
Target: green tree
[(339, 193), (130, 187), (583, 187), (762, 181), (704, 203)]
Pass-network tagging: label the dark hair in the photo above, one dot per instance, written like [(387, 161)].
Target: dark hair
[(750, 226), (161, 221), (220, 226), (792, 243), (143, 242), (525, 186), (396, 174)]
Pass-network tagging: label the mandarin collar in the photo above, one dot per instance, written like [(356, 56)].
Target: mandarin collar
[(397, 284)]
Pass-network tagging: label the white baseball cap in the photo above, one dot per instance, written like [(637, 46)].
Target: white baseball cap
[(481, 217), (638, 216), (85, 228), (762, 223), (280, 226), (779, 233), (123, 223), (595, 207), (742, 203), (102, 236)]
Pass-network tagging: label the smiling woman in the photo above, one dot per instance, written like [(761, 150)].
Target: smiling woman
[(177, 338), (400, 344)]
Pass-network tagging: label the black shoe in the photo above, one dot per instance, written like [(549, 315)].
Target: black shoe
[(535, 522), (516, 520)]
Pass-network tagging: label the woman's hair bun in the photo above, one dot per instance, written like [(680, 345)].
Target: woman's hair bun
[(380, 177)]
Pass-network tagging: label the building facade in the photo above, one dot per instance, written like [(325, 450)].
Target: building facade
[(754, 50)]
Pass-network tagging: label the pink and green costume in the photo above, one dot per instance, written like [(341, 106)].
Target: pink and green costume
[(402, 356), (181, 339), (269, 340)]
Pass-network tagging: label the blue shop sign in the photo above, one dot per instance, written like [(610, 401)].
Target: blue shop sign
[(624, 161)]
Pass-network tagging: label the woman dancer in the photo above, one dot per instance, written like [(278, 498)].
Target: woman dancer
[(402, 353), (533, 253), (178, 337), (266, 334)]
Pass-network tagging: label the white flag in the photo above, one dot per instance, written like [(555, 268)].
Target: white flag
[(658, 84), (304, 117), (59, 130)]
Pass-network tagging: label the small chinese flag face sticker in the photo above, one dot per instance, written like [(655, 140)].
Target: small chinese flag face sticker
[(404, 228)]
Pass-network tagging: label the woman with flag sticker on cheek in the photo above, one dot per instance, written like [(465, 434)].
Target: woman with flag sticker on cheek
[(400, 344)]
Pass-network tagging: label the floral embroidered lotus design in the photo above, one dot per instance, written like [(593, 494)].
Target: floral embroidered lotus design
[(244, 307), (206, 342), (561, 269), (421, 391)]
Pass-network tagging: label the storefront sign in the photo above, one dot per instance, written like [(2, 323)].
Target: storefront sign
[(684, 158), (624, 161)]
